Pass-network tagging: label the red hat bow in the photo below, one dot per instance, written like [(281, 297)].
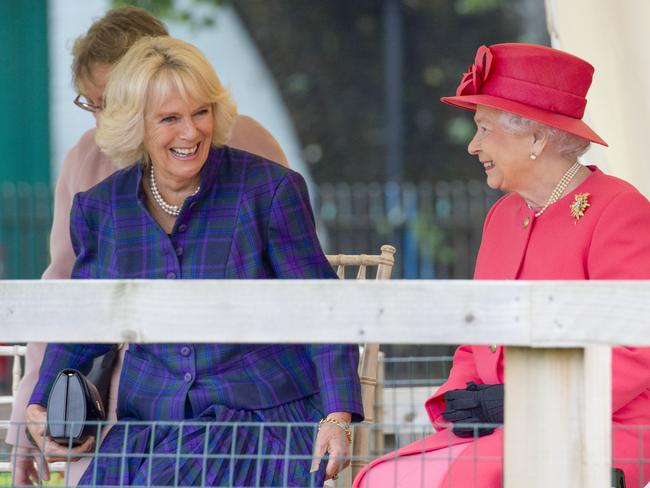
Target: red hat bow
[(476, 74), (535, 82)]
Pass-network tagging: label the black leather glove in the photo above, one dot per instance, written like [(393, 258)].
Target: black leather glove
[(477, 404)]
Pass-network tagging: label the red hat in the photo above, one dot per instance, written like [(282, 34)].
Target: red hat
[(535, 82)]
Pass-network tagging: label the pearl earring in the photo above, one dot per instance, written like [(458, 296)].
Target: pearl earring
[(533, 156)]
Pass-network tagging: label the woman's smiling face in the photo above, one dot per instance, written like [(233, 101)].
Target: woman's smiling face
[(178, 135), (504, 156)]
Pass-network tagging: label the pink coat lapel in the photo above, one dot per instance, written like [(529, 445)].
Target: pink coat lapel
[(501, 257), (487, 363)]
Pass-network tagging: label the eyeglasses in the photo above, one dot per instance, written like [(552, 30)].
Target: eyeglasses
[(82, 103)]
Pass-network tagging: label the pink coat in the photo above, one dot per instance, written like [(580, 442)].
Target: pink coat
[(611, 241), (84, 166)]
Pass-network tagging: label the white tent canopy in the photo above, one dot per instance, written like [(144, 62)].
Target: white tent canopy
[(614, 38)]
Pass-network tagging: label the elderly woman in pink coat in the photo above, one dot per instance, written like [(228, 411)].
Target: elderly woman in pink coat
[(559, 220)]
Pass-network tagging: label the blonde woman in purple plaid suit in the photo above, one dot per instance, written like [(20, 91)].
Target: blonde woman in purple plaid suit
[(186, 206)]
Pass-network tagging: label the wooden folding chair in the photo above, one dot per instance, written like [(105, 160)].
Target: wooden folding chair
[(368, 363)]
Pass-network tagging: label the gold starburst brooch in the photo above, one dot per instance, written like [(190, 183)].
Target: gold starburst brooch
[(579, 205)]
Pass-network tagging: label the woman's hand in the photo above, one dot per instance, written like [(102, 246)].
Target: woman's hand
[(26, 466), (477, 404), (36, 419), (332, 439)]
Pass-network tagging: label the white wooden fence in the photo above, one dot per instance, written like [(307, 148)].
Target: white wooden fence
[(558, 336)]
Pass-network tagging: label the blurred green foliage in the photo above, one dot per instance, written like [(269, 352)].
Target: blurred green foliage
[(56, 479), (171, 10), (477, 7)]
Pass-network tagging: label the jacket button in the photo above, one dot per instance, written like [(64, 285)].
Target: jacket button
[(179, 251), (526, 222), (187, 377), (185, 351), (171, 275), (182, 228)]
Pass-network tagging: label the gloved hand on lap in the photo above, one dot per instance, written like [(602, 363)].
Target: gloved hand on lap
[(477, 404)]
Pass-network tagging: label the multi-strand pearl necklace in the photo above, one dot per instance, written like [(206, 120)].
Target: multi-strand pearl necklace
[(559, 188), (166, 207)]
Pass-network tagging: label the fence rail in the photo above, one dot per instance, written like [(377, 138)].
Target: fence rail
[(521, 313), (561, 332)]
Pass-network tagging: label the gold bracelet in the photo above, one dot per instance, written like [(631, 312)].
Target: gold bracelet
[(343, 425)]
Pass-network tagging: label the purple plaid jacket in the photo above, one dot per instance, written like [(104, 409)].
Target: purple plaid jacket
[(251, 219)]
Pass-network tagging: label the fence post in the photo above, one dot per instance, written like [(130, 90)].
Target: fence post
[(558, 417)]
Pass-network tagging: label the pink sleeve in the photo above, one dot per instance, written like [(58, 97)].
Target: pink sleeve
[(33, 359), (617, 252), (83, 167), (630, 374), (60, 245), (60, 267), (249, 135), (462, 371)]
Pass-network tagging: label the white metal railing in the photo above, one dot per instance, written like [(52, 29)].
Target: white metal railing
[(558, 336), (16, 370), (14, 352)]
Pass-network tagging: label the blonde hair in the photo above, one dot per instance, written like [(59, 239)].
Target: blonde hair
[(152, 68), (109, 38)]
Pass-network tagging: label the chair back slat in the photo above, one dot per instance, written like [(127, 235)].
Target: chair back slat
[(14, 352), (368, 361), (361, 275), (16, 370)]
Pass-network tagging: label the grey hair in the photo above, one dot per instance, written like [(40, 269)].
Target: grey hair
[(567, 145)]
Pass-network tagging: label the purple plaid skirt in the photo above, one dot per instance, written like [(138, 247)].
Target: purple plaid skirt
[(223, 447)]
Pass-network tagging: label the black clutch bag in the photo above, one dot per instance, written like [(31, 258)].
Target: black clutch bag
[(74, 409)]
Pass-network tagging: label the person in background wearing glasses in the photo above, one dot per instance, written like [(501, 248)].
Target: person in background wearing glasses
[(94, 55)]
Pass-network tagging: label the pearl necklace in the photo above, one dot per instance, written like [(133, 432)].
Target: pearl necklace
[(166, 207), (559, 188)]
